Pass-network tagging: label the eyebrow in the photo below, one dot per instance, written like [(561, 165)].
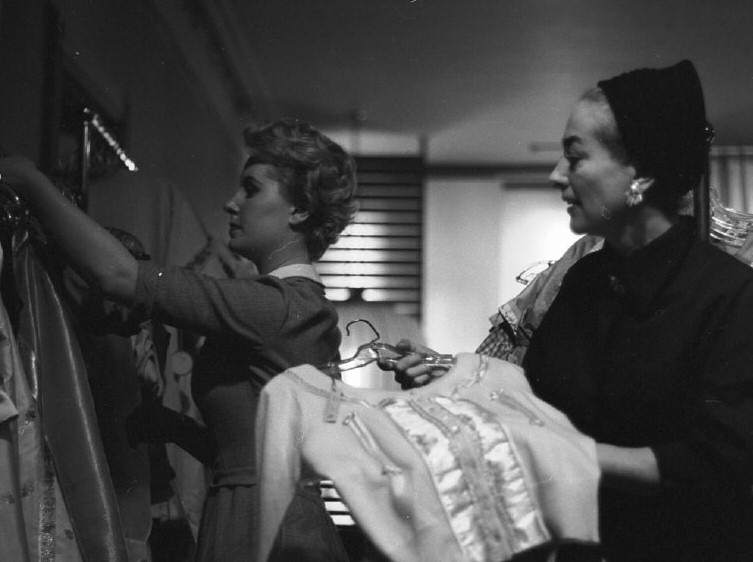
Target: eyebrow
[(245, 180)]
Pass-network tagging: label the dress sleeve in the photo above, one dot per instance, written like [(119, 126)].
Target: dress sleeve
[(719, 445), (254, 309)]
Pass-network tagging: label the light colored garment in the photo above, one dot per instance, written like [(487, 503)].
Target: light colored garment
[(57, 498), (472, 467)]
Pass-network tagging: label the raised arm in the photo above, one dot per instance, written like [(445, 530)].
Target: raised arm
[(97, 255)]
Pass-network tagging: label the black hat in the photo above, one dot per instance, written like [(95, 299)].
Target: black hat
[(661, 117)]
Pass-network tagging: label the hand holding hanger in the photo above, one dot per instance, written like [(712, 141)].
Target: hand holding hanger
[(386, 355)]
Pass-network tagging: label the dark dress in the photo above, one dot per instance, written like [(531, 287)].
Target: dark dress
[(255, 329), (657, 350)]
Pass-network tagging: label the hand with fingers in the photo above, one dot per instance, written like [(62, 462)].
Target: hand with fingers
[(412, 370)]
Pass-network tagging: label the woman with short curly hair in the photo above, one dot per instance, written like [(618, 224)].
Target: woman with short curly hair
[(296, 194), (316, 174)]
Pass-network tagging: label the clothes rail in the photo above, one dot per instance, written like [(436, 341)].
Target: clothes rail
[(92, 120)]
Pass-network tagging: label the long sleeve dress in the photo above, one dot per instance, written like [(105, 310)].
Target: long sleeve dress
[(254, 328), (656, 350), (471, 468)]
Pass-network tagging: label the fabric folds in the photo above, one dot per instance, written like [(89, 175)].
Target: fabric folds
[(57, 378), (470, 468)]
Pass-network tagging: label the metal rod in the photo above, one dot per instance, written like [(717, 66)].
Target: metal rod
[(701, 205), (85, 161)]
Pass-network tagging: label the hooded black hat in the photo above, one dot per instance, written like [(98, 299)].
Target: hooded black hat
[(661, 116)]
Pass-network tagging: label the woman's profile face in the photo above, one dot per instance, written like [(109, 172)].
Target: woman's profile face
[(259, 214), (593, 182)]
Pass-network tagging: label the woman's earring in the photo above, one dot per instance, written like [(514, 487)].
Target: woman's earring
[(634, 195), (606, 213)]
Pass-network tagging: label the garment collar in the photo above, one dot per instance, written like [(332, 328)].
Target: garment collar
[(645, 272), (296, 270)]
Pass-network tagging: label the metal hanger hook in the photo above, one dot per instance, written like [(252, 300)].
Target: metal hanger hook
[(370, 325)]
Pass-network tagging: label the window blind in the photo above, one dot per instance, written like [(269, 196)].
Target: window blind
[(378, 258)]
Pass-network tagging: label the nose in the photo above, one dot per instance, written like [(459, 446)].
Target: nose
[(231, 207), (558, 176)]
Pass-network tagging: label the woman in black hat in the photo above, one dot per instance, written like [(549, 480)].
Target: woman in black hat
[(648, 346)]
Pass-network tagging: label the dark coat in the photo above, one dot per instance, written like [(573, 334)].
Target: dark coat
[(656, 350)]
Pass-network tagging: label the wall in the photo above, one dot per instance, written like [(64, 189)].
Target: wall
[(479, 236), (533, 227), (22, 61), (462, 261), (125, 53)]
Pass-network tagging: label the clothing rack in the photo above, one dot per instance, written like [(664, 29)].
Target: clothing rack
[(92, 120)]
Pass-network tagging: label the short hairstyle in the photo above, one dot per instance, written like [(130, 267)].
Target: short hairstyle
[(318, 175)]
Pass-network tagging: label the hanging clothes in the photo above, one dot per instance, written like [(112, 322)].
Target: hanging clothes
[(157, 213), (75, 500), (20, 449), (471, 468)]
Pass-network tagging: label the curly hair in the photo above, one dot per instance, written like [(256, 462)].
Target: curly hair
[(319, 176)]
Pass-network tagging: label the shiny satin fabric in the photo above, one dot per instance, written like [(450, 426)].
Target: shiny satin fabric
[(57, 377), (470, 468), (488, 504), (34, 523), (15, 445)]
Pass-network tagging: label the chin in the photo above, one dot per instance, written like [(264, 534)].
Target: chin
[(577, 227)]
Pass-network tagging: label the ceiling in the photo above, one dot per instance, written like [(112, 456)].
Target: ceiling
[(480, 81)]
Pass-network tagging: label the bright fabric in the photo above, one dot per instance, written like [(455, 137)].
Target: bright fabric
[(470, 468)]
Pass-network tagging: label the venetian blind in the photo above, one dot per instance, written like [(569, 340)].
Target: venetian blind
[(378, 257)]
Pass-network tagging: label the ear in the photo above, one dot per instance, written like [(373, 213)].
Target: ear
[(298, 215)]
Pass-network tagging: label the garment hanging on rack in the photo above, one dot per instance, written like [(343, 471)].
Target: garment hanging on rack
[(21, 453), (63, 414), (472, 467), (157, 213)]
